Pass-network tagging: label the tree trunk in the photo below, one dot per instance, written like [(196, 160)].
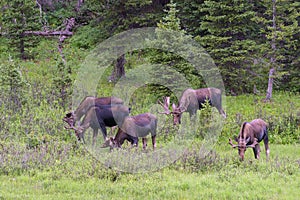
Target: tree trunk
[(49, 33), (270, 84), (119, 69), (273, 57)]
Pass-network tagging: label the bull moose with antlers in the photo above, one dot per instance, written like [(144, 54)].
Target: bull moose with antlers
[(89, 102), (192, 100), (98, 117), (250, 135)]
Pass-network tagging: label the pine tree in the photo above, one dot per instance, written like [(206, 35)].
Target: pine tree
[(19, 16), (279, 21), (230, 38), (13, 84), (171, 62), (62, 83)]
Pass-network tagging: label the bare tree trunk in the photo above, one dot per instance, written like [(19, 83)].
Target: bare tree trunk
[(270, 84), (273, 58), (49, 33), (119, 69)]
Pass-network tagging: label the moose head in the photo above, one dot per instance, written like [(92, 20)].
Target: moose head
[(242, 147), (176, 111), (191, 101)]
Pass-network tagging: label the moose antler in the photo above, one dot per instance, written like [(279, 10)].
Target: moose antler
[(71, 127), (165, 105), (253, 144), (233, 145)]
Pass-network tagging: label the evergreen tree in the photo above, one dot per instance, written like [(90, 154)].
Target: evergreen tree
[(62, 83), (12, 84), (230, 37), (171, 62), (18, 17), (279, 21)]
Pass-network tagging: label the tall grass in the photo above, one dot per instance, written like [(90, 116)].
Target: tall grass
[(282, 115), (41, 160)]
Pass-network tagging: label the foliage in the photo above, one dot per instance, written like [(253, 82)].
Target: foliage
[(281, 115), (170, 61), (105, 19), (285, 38), (62, 83), (236, 34), (39, 158), (230, 38), (19, 16), (13, 84), (62, 171)]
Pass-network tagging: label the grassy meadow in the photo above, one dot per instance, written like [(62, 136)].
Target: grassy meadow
[(60, 168), (216, 177)]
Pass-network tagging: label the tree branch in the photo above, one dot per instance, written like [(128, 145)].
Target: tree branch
[(49, 33)]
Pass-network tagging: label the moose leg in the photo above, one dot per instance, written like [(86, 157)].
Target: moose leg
[(222, 112), (154, 141), (266, 142), (80, 137), (256, 151), (95, 133), (218, 104), (144, 140), (103, 129), (135, 141), (193, 120), (193, 115)]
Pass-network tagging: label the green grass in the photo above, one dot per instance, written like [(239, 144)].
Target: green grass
[(168, 184), (224, 178), (62, 170)]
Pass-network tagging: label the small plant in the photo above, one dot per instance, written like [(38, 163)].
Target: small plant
[(205, 119), (62, 83), (13, 84)]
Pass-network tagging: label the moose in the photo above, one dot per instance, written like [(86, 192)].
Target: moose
[(119, 139), (191, 100), (91, 101), (98, 118), (251, 133), (134, 127)]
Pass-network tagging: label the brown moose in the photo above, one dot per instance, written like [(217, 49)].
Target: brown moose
[(250, 135), (98, 118), (89, 102), (192, 100), (134, 127)]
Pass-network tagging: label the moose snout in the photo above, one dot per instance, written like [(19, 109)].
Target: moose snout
[(241, 157)]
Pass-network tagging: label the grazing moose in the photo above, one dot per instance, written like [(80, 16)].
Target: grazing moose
[(192, 100), (250, 135), (119, 139), (89, 102), (134, 127), (99, 118)]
